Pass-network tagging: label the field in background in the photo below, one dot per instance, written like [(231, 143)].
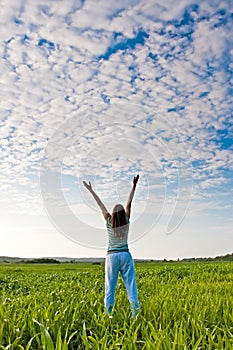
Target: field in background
[(59, 307)]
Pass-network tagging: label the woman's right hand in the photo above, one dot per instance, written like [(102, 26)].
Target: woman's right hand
[(135, 180)]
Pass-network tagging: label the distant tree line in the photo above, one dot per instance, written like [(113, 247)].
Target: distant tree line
[(94, 261), (228, 257), (42, 261)]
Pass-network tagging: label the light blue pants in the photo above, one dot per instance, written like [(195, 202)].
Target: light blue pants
[(120, 262)]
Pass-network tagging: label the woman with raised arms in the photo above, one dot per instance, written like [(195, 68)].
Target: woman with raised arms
[(118, 257)]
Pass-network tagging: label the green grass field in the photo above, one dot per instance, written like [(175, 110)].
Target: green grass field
[(183, 306)]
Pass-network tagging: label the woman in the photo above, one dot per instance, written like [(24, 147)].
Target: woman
[(118, 257)]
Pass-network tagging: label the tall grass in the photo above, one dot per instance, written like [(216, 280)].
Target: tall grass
[(183, 306)]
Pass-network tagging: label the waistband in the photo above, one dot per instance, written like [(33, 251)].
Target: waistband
[(117, 251)]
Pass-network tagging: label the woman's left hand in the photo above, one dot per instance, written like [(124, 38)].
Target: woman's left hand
[(89, 187)]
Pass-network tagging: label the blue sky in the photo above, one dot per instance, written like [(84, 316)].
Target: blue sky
[(104, 91)]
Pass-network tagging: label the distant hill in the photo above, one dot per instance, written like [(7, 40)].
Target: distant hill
[(8, 259), (227, 257), (57, 260), (49, 260)]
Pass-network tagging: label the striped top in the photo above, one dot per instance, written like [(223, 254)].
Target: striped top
[(116, 243)]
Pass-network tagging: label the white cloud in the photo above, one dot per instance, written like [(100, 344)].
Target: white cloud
[(91, 68)]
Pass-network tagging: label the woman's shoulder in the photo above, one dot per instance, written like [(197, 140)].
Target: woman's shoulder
[(108, 220)]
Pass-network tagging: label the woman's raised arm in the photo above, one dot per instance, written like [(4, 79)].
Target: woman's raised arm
[(128, 205), (97, 199)]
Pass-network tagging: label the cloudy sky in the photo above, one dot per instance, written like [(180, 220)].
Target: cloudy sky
[(103, 90)]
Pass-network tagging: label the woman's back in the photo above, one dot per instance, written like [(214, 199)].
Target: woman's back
[(117, 242)]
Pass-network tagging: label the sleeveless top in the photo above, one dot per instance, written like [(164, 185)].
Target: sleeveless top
[(116, 243)]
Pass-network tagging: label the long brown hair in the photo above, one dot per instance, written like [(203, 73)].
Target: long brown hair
[(119, 221)]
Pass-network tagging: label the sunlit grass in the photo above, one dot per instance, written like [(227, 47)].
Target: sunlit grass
[(59, 307)]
